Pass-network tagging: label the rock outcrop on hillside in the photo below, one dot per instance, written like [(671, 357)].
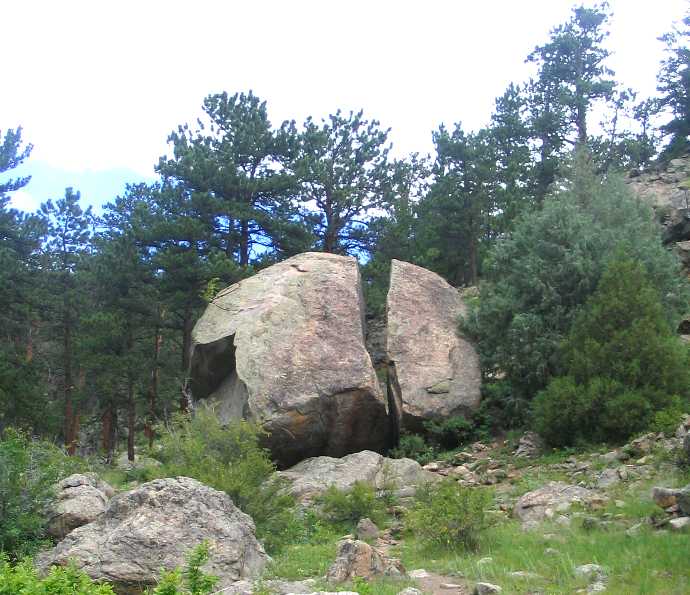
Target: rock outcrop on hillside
[(286, 348), (668, 192), (433, 371), (153, 528), (313, 477)]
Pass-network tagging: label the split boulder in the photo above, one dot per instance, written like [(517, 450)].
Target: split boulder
[(434, 372), (285, 347)]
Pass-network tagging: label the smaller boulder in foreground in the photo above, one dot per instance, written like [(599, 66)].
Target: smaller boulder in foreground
[(154, 527)]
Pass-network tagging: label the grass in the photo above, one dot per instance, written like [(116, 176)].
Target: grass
[(650, 562)]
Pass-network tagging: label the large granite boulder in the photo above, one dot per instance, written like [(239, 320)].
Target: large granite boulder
[(433, 371), (154, 527), (286, 348), (311, 478), (79, 499)]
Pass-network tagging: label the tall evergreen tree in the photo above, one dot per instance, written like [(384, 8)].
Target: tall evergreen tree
[(673, 82), (66, 245), (238, 160), (573, 60), (342, 170)]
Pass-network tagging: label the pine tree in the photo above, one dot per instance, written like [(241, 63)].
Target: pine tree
[(342, 170)]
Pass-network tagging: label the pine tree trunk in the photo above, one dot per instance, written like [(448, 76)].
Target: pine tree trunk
[(68, 428), (153, 389), (131, 405), (244, 243)]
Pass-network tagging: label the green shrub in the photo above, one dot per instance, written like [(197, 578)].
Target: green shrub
[(347, 507), (28, 470), (624, 365), (190, 581), (538, 278), (448, 515), (230, 458), (667, 420), (23, 579), (457, 431), (413, 446)]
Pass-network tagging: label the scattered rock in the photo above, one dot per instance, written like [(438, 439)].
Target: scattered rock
[(410, 591), (153, 528), (530, 445), (139, 462), (433, 372), (664, 497), (608, 478), (451, 586), (683, 499), (79, 499), (366, 530), (524, 574), (540, 504), (418, 573), (314, 476), (286, 347), (590, 572), (680, 524), (486, 589), (359, 559)]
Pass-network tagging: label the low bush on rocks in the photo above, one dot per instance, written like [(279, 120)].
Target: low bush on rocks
[(230, 458), (347, 507), (449, 515), (28, 470), (23, 578)]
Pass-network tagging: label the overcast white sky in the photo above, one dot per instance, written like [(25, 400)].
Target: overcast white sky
[(98, 85)]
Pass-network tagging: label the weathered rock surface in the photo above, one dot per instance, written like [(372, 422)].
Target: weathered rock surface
[(666, 192), (359, 559), (79, 499), (433, 372), (366, 529), (153, 527), (486, 589), (554, 497), (530, 445), (286, 347), (314, 476)]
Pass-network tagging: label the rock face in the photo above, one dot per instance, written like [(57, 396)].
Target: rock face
[(314, 476), (286, 348), (433, 372), (79, 500), (667, 191), (550, 499), (153, 527), (359, 559)]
